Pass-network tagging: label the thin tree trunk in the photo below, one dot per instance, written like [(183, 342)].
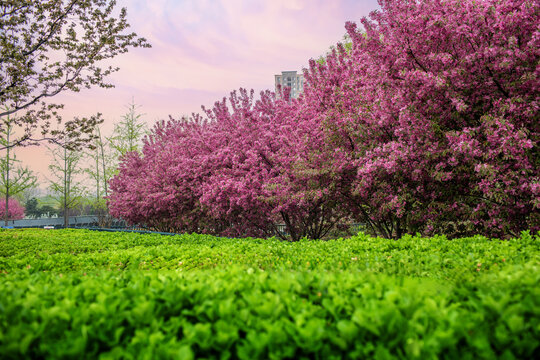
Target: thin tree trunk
[(6, 217), (103, 168), (66, 191), (97, 177), (290, 227)]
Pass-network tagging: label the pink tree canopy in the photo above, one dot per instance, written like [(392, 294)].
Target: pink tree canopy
[(263, 167), (429, 122), (235, 172), (434, 113), (159, 187), (15, 210)]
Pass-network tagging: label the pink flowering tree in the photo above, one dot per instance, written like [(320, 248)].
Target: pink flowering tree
[(428, 121), (434, 115), (15, 210), (172, 185), (239, 165), (265, 171), (239, 171), (161, 188)]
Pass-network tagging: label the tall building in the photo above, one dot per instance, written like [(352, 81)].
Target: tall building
[(291, 79)]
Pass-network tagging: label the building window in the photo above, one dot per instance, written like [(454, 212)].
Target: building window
[(292, 80)]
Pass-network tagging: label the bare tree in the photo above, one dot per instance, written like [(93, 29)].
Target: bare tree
[(128, 133), (65, 168), (101, 168)]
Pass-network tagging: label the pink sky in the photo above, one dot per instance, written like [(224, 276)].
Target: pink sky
[(202, 50)]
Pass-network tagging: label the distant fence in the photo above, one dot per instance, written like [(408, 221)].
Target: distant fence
[(95, 222), (74, 221)]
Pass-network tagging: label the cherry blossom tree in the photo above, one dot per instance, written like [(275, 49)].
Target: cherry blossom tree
[(147, 189), (426, 122), (15, 210), (239, 170), (436, 109), (267, 169)]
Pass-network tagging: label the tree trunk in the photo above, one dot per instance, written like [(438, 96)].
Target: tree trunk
[(103, 168), (66, 191), (6, 218)]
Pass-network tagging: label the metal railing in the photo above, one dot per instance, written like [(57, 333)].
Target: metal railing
[(95, 222), (57, 223)]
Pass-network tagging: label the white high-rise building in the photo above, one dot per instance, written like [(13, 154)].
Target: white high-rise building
[(291, 79)]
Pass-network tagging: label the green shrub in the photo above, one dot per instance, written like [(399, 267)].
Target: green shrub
[(196, 296)]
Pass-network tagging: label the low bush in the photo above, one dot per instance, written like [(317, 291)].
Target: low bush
[(83, 294)]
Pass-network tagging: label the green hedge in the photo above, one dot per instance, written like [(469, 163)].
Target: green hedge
[(85, 250), (81, 294)]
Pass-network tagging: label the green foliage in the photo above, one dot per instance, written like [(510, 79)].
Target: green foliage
[(345, 42), (86, 250), (52, 46), (14, 179), (83, 294), (128, 133), (66, 188), (33, 209)]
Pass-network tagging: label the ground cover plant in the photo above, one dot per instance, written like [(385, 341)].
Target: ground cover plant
[(84, 294)]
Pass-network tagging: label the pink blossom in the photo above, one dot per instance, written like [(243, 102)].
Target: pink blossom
[(15, 209), (430, 119)]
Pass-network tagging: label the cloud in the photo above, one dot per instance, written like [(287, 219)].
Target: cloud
[(203, 49), (211, 44)]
